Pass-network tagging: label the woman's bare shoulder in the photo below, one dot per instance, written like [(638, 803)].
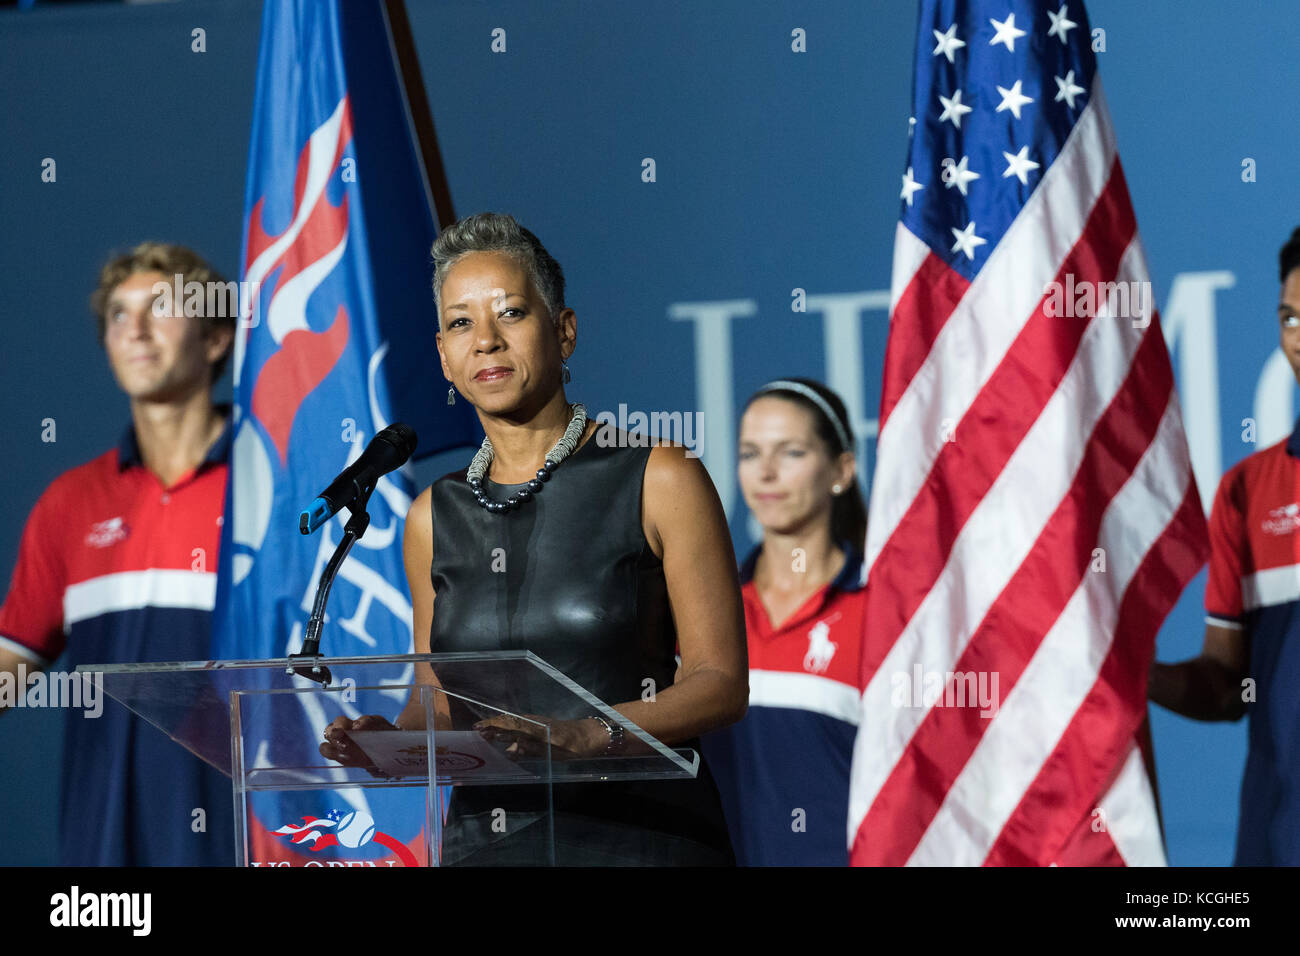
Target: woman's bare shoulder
[(419, 522)]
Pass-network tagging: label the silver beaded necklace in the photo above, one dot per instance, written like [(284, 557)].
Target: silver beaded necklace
[(561, 450)]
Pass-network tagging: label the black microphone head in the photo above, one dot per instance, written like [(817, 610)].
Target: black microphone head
[(401, 437)]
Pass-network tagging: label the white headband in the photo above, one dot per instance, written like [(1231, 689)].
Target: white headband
[(785, 385)]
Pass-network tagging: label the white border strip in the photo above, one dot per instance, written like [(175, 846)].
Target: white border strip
[(132, 590), (821, 695), (1224, 623), (1270, 587)]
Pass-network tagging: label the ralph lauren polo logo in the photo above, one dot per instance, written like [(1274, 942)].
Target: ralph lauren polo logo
[(820, 648)]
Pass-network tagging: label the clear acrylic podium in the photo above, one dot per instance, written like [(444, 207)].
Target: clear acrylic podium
[(436, 792)]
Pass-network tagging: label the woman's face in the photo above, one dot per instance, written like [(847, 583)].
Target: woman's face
[(785, 471), (497, 343)]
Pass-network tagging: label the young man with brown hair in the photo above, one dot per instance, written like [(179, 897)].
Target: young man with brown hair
[(118, 564)]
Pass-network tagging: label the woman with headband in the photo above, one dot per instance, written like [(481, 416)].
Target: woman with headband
[(784, 769), (595, 553)]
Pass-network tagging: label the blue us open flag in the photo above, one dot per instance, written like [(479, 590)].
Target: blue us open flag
[(335, 342)]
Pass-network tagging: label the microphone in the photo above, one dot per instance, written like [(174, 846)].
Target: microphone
[(387, 451)]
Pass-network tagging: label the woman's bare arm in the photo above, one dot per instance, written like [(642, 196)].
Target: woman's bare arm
[(687, 528), (417, 555)]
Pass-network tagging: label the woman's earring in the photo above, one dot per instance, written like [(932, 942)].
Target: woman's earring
[(567, 376), (451, 395), (835, 489)]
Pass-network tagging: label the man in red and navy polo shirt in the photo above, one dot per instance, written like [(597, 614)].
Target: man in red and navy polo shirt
[(1250, 661), (783, 769), (118, 564)]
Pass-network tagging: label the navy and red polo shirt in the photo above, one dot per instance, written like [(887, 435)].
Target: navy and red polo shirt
[(113, 567), (783, 769), (1254, 586)]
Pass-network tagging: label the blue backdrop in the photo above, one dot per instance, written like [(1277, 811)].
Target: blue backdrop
[(773, 171)]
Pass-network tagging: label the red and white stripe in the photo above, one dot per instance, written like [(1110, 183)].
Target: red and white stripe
[(1012, 445)]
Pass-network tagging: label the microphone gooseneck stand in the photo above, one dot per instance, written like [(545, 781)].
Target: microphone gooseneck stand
[(309, 658)]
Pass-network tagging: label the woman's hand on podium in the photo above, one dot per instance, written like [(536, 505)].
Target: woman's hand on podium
[(570, 739), (338, 746)]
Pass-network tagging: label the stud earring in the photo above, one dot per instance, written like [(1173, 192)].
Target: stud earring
[(451, 395), (835, 489)]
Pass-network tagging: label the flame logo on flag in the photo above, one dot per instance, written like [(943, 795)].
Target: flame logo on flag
[(289, 266)]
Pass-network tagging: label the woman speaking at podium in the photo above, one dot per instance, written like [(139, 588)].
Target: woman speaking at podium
[(599, 555)]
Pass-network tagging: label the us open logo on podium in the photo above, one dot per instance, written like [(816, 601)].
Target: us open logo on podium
[(351, 829)]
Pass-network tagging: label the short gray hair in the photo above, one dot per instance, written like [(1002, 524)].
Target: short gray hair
[(496, 232)]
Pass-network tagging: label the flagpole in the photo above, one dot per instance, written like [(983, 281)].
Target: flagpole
[(418, 115)]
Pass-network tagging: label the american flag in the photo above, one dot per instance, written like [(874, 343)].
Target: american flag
[(1033, 515)]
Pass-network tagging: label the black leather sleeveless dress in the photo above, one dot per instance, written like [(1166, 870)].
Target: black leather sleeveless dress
[(583, 591)]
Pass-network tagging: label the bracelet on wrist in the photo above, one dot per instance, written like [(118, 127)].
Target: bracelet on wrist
[(615, 733)]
